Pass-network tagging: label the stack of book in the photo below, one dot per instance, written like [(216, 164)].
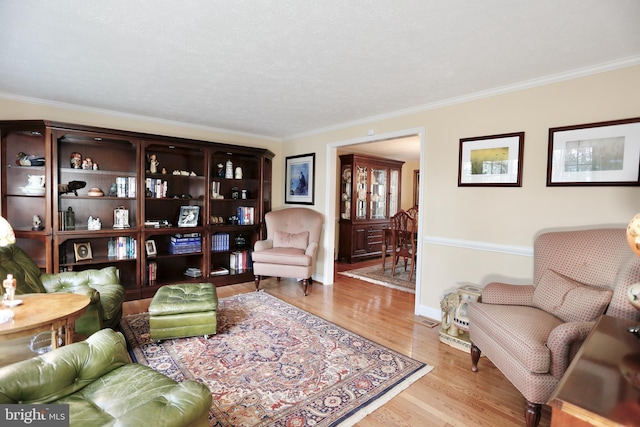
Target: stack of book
[(156, 188), (123, 247), (152, 273), (193, 272), (126, 186), (240, 261), (185, 243), (218, 271), (220, 242)]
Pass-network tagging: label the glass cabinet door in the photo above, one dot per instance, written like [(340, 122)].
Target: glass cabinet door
[(378, 193), (361, 192), (345, 192), (394, 190)]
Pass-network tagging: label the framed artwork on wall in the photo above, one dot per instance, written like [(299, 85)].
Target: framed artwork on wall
[(299, 182), (489, 161), (604, 153)]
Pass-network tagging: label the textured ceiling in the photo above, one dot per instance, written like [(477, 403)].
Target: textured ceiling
[(287, 67)]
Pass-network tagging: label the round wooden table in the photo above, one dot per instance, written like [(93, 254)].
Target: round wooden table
[(45, 312)]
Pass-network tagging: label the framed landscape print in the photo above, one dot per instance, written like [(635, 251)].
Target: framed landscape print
[(299, 183), (494, 160), (604, 153)]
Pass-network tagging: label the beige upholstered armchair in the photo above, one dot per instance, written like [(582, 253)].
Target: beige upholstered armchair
[(293, 236), (532, 332)]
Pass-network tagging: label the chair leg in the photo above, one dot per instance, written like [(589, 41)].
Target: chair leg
[(532, 414), (475, 356), (256, 279), (305, 284)]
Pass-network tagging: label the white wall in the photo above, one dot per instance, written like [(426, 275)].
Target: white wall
[(469, 234), (478, 234)]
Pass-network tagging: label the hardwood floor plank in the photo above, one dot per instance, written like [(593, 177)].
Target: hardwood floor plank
[(450, 395)]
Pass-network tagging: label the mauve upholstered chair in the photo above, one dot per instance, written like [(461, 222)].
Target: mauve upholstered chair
[(532, 332), (293, 236)]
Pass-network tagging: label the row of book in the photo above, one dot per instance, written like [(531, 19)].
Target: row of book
[(152, 273), (220, 242), (123, 247), (156, 188), (185, 243), (126, 186), (246, 215), (240, 261)]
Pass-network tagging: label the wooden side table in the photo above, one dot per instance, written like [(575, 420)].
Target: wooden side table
[(45, 312), (593, 390)]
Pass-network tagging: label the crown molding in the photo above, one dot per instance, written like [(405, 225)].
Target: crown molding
[(542, 81)]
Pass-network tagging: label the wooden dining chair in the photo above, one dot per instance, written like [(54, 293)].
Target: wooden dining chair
[(403, 230)]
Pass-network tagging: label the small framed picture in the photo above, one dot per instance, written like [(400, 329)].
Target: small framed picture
[(300, 179), (188, 216), (150, 247), (82, 251)]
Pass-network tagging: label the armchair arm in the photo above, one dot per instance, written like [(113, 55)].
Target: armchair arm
[(69, 282), (261, 245), (564, 342), (311, 249), (506, 294)]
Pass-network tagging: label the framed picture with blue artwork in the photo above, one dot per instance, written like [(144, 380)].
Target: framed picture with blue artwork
[(299, 179)]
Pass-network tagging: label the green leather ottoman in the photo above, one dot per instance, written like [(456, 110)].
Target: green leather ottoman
[(186, 310)]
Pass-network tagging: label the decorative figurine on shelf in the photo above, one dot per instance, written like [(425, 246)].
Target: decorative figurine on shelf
[(164, 171), (75, 160), (241, 241), (228, 171), (87, 163), (113, 190), (238, 172), (37, 223), (235, 194), (70, 220), (153, 163), (220, 170), (71, 187), (24, 159), (94, 223), (244, 194)]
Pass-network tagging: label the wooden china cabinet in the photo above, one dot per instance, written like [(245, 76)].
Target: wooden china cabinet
[(176, 221), (369, 196)]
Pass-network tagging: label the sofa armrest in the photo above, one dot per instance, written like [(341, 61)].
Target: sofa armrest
[(63, 371), (507, 294), (564, 342), (262, 245)]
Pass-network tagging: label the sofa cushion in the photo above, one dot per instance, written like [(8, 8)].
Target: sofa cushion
[(569, 300), (521, 331), (282, 239)]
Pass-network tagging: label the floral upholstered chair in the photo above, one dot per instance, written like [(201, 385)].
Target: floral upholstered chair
[(532, 332), (293, 236)]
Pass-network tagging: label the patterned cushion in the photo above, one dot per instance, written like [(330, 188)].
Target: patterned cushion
[(569, 300), (283, 239)]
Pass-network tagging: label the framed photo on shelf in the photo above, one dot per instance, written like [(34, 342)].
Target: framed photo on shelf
[(604, 153), (299, 182), (491, 161), (82, 251), (188, 216), (150, 248)]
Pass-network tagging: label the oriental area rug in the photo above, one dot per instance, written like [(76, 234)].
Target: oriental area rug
[(374, 274), (273, 364)]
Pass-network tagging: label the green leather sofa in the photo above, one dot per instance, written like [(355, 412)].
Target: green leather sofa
[(102, 388), (101, 286)]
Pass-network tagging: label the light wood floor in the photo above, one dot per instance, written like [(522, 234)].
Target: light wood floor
[(450, 395)]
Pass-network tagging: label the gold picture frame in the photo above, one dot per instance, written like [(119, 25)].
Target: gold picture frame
[(82, 251)]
